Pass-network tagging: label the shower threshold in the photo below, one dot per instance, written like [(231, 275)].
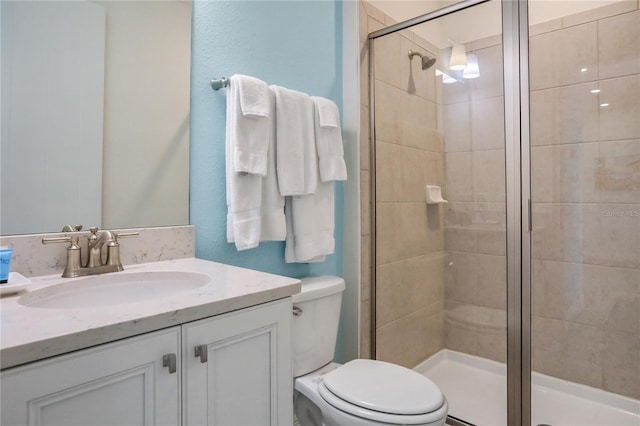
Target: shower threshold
[(476, 389)]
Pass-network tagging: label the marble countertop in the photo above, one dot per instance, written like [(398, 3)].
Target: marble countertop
[(32, 333)]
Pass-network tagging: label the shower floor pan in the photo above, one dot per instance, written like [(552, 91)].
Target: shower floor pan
[(476, 390)]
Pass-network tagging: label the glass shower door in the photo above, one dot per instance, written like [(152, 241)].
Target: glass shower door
[(585, 191), (440, 267)]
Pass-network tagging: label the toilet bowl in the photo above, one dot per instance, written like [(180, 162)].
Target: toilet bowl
[(360, 392)]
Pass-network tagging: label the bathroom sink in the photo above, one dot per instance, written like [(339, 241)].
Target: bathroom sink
[(113, 289)]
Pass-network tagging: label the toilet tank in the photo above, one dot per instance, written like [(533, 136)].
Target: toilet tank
[(316, 311)]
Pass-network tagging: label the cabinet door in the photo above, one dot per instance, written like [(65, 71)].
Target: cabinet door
[(242, 374), (120, 383)]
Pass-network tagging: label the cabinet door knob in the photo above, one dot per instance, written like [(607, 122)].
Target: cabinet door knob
[(202, 352), (169, 360)]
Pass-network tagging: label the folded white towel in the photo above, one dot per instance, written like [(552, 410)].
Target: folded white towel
[(329, 140), (327, 110), (255, 208), (254, 96), (296, 156), (248, 124), (310, 225)]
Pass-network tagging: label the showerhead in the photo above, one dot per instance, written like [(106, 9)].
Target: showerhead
[(427, 61)]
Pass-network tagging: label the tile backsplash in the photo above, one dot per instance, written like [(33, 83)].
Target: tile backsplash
[(31, 258)]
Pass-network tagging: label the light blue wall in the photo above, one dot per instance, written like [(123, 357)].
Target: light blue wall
[(296, 44)]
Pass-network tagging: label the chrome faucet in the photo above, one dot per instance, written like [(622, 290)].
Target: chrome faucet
[(95, 242)]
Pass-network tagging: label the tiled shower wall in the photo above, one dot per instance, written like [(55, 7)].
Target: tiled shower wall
[(586, 193), (475, 232), (410, 234)]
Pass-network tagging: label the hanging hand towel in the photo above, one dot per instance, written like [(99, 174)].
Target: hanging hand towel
[(296, 157), (243, 207), (310, 225), (248, 124), (255, 206), (329, 140), (243, 189), (273, 227)]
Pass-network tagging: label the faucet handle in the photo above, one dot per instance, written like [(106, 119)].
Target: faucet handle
[(73, 240), (54, 240), (113, 249), (73, 264)]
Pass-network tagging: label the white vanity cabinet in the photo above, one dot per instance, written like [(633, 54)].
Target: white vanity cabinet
[(119, 383), (237, 368), (241, 376)]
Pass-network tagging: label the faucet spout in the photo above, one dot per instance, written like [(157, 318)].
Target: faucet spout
[(95, 243), (104, 237)]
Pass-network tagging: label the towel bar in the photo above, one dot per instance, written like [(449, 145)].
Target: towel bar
[(219, 83)]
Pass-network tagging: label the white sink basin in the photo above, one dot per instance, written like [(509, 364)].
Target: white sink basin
[(113, 289)]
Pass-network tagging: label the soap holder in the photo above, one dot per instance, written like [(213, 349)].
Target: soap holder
[(434, 195), (17, 282)]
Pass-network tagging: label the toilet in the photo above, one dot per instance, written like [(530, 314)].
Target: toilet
[(360, 392)]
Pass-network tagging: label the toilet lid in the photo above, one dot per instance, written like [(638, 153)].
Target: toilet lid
[(383, 387), (434, 417)]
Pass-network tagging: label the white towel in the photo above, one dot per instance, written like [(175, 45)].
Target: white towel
[(310, 225), (255, 208), (248, 124), (296, 156), (328, 114), (272, 208), (329, 140), (243, 197)]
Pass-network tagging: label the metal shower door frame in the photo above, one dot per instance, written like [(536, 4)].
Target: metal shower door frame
[(515, 45)]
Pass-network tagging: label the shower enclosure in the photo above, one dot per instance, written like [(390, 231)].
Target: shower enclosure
[(516, 287)]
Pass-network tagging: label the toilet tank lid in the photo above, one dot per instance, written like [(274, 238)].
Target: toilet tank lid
[(316, 287)]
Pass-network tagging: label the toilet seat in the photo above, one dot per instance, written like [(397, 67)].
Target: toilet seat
[(383, 392)]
